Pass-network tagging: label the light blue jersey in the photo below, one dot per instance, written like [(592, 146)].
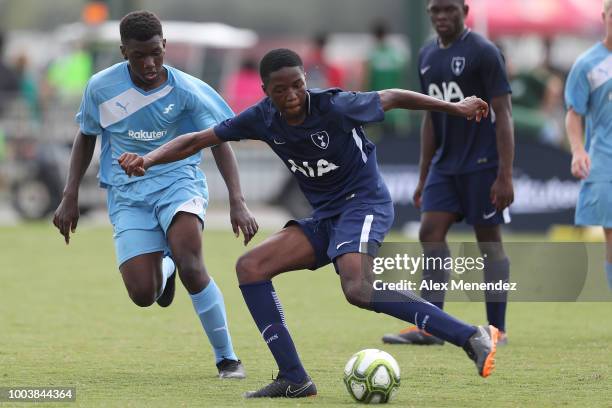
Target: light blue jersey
[(588, 91), (132, 120)]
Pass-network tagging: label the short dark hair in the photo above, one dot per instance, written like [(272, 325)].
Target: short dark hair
[(320, 40), (140, 25), (278, 59), (380, 29)]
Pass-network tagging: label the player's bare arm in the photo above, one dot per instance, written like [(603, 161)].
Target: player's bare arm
[(471, 107), (502, 191), (177, 149), (67, 214), (581, 162), (240, 216), (428, 149)]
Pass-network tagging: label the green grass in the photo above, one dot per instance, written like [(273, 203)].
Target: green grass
[(66, 320)]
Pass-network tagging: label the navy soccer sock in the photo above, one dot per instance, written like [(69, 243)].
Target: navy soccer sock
[(434, 272), (407, 306), (269, 317), (495, 271)]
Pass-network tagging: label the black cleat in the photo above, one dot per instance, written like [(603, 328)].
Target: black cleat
[(282, 388), (414, 336), (231, 369), (167, 296), (481, 348)]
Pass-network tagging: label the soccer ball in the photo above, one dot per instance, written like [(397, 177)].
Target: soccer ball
[(372, 376)]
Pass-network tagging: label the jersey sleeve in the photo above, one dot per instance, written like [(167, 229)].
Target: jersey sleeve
[(358, 108), (577, 89), (239, 127), (207, 108), (493, 72), (88, 116)]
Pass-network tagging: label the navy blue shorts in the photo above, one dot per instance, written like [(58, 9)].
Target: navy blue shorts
[(361, 229), (467, 195)]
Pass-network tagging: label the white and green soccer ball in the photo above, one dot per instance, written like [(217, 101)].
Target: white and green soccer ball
[(372, 376)]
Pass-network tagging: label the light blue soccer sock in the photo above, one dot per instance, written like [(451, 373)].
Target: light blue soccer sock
[(609, 273), (210, 307), (167, 269)]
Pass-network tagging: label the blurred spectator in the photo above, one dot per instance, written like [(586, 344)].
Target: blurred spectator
[(68, 76), (537, 102), (320, 73), (243, 88), (28, 87), (385, 69), (9, 82), (386, 63), (9, 86)]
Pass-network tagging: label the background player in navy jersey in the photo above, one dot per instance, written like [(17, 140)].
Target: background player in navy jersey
[(465, 167), (318, 134), (138, 105)]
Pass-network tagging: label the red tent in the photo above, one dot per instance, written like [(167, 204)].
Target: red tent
[(544, 17)]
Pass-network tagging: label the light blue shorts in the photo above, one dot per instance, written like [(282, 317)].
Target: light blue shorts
[(594, 205), (141, 212)]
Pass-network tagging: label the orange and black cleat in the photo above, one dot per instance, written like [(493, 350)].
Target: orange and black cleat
[(481, 348)]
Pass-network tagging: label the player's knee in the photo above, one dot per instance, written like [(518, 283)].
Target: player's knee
[(190, 268), (355, 295), (142, 298), (248, 269), (429, 233)]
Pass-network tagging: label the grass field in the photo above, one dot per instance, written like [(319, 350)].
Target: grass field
[(66, 320)]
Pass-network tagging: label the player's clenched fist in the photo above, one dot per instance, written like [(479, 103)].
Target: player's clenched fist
[(132, 164), (473, 108)]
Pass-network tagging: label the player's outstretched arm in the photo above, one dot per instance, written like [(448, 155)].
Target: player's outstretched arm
[(66, 216), (240, 216), (470, 108), (177, 149)]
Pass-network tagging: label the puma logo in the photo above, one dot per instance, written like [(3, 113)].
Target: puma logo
[(124, 107)]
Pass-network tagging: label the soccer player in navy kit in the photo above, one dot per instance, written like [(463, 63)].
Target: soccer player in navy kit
[(318, 134), (465, 167)]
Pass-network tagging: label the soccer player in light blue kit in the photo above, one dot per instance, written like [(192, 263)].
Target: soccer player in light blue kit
[(319, 136), (588, 96), (157, 220)]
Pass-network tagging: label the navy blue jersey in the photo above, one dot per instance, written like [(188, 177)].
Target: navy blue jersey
[(329, 154), (472, 65)]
